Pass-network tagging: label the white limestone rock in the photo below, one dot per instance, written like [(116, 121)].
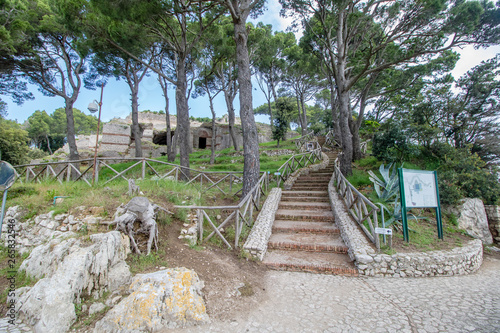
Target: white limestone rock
[(473, 220), (69, 269), (96, 307), (158, 301)]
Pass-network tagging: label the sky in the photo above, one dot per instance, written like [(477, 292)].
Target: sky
[(116, 96)]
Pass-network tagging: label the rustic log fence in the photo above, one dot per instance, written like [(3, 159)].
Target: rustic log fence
[(360, 208), (297, 161), (301, 143), (238, 214), (330, 139), (67, 171), (243, 212)]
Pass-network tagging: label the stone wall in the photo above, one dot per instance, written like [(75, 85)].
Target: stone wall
[(459, 261), (493, 213), (256, 244), (258, 238), (115, 137)]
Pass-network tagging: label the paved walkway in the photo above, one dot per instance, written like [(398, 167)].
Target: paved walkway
[(304, 302)]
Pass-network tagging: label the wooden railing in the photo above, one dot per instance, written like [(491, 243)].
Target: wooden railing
[(301, 143), (363, 211), (67, 170), (237, 215), (296, 162), (330, 139), (243, 212)]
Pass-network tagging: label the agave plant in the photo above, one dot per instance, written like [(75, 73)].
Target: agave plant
[(387, 187)]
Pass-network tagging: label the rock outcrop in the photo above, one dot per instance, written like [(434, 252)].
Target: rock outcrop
[(158, 301), (70, 268), (473, 220), (493, 213), (44, 227)]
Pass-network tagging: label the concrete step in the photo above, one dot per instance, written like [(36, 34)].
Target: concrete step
[(307, 242), (311, 187), (326, 263), (304, 215), (287, 226), (310, 180), (288, 194), (304, 205), (305, 199)]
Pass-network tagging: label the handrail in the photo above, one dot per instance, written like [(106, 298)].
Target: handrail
[(240, 213), (361, 209), (302, 141), (66, 170), (330, 139), (296, 162), (234, 212)]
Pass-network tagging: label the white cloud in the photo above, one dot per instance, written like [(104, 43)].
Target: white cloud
[(470, 57)]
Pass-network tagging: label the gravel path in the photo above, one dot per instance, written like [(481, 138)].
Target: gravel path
[(303, 302)]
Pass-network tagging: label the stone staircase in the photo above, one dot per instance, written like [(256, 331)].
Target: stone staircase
[(304, 235)]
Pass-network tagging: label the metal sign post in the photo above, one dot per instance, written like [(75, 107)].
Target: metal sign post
[(7, 178), (419, 189)]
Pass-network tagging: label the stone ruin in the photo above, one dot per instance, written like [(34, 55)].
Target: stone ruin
[(117, 141)]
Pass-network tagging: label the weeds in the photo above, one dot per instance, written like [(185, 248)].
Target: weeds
[(140, 262)]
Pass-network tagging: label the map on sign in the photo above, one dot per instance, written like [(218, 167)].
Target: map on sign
[(420, 188)]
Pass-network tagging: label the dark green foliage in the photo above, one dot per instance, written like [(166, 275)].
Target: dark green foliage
[(463, 174), (392, 145), (48, 132), (282, 121), (13, 142)]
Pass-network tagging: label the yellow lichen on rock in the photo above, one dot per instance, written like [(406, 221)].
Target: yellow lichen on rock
[(164, 299), (189, 305)]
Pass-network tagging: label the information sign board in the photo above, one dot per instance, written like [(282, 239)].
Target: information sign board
[(419, 189)]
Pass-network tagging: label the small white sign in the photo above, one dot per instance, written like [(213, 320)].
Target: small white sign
[(383, 231)]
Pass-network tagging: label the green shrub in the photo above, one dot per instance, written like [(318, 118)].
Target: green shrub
[(464, 175)]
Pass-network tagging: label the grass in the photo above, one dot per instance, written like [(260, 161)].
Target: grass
[(423, 233), (38, 198), (10, 268), (141, 263), (359, 179), (226, 160)]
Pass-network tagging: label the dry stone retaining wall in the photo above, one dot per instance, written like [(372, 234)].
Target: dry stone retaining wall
[(258, 238), (256, 243), (459, 261)]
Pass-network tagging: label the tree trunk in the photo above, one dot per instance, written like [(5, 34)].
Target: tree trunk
[(346, 159), (136, 130), (214, 132), (335, 112), (301, 120), (357, 154), (270, 111), (169, 131), (70, 136), (230, 112), (251, 168), (304, 113), (173, 151), (356, 141), (168, 136), (48, 143), (182, 130)]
